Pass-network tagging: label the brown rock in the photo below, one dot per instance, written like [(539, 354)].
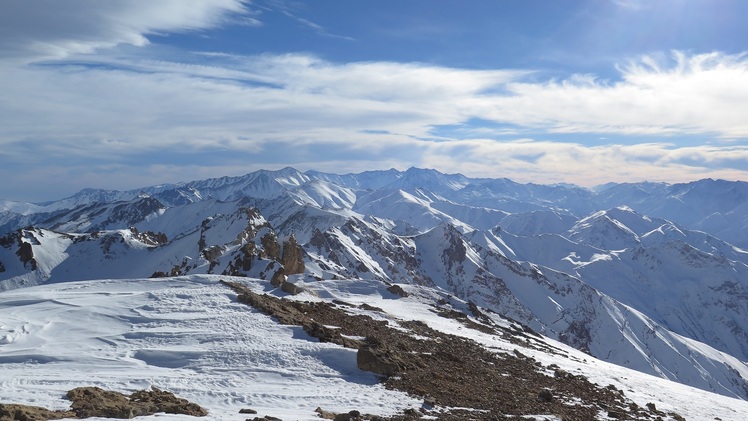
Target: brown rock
[(12, 412), (377, 359), (291, 288), (278, 278), (545, 395), (397, 290), (96, 402), (293, 261), (270, 245)]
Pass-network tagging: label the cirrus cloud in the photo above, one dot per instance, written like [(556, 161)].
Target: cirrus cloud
[(52, 29)]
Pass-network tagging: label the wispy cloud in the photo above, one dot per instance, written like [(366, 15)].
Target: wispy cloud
[(634, 5), (51, 29), (69, 114), (319, 29)]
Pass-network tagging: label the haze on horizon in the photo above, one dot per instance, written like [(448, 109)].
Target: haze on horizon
[(125, 94)]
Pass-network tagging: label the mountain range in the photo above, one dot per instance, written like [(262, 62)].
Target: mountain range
[(650, 276)]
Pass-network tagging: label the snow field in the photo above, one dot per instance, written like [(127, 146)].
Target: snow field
[(185, 335)]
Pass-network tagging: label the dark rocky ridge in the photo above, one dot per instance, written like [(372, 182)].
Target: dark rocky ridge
[(450, 371)]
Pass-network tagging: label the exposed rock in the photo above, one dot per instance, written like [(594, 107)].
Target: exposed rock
[(26, 254), (293, 260), (156, 400), (248, 252), (270, 245), (377, 358), (96, 402), (291, 288), (327, 334), (545, 395), (212, 253), (348, 416), (12, 412), (279, 277), (149, 237), (411, 413), (129, 213), (453, 371), (2, 267), (247, 411), (397, 290)]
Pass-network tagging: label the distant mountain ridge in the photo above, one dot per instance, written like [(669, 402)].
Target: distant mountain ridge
[(717, 207), (644, 275)]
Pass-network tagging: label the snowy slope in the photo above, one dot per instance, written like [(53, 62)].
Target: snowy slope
[(186, 335), (190, 336)]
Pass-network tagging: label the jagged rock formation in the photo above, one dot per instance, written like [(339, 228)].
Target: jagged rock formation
[(293, 257)]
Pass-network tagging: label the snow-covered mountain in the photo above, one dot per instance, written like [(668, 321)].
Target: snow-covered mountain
[(195, 337), (619, 272)]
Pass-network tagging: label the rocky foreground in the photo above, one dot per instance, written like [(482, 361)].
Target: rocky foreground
[(457, 378)]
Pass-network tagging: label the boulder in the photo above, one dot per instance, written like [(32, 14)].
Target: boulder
[(377, 358), (397, 290)]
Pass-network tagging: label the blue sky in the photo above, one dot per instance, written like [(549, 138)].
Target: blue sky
[(124, 94)]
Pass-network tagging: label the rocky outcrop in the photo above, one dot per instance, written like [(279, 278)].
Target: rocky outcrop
[(374, 356), (279, 277), (291, 288), (95, 402), (88, 402), (270, 245), (124, 214), (293, 257), (450, 372), (26, 254), (397, 290), (12, 412), (149, 237)]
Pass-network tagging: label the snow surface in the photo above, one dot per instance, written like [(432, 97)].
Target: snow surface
[(185, 335), (189, 335)]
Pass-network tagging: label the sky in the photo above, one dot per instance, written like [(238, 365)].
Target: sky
[(124, 94)]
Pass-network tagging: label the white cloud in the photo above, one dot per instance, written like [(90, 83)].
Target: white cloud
[(116, 109), (31, 30), (687, 95), (633, 5), (550, 162)]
